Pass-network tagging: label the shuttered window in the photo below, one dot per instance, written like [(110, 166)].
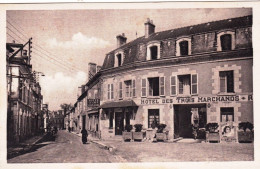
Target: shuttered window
[(112, 91), (173, 85), (143, 94), (194, 84), (108, 91), (133, 81), (120, 90), (162, 84)]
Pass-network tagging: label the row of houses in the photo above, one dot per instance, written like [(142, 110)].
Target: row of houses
[(169, 77), (25, 113)]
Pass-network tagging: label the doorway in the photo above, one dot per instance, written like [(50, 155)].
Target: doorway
[(119, 123), (183, 119)]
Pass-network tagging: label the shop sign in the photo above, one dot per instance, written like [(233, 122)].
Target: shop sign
[(93, 102), (211, 99)]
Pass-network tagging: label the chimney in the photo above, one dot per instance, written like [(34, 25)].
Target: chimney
[(92, 70), (99, 68), (121, 39), (149, 27)]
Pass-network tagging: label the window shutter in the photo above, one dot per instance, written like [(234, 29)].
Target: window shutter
[(120, 90), (133, 84), (162, 84), (143, 88), (173, 85), (194, 84), (108, 91), (112, 91)]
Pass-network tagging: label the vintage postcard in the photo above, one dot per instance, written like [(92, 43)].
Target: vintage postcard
[(91, 84)]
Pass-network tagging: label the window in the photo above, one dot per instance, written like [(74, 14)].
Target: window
[(184, 84), (133, 81), (128, 88), (184, 48), (119, 60), (111, 117), (173, 85), (120, 90), (153, 117), (143, 94), (153, 86), (110, 91), (226, 42), (154, 52), (227, 114), (188, 84), (226, 81)]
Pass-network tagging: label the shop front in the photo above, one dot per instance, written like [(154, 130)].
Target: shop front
[(117, 114)]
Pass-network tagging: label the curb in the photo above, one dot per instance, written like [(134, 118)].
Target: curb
[(110, 148)]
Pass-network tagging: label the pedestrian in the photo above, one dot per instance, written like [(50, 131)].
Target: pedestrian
[(69, 129), (84, 133)]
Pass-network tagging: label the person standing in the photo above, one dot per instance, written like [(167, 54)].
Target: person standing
[(84, 133)]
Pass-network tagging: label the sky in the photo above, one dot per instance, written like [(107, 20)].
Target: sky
[(65, 41)]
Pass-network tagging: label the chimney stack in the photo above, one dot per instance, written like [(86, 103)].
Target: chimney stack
[(121, 39), (149, 28), (92, 70)]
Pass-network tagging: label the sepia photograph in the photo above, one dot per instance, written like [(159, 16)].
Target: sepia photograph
[(121, 85)]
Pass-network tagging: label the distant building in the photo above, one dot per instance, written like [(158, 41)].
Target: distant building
[(56, 119)]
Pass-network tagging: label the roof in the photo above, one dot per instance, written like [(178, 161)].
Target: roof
[(131, 56), (123, 103)]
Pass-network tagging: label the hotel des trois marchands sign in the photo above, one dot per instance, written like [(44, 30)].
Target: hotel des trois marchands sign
[(196, 99)]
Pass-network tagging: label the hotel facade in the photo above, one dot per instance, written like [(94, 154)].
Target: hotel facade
[(169, 77)]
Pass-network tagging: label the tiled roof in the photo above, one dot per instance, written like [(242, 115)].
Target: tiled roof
[(174, 33)]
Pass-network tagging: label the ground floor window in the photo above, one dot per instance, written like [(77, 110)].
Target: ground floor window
[(226, 114), (153, 117)]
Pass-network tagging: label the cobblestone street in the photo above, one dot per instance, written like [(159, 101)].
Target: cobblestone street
[(67, 148)]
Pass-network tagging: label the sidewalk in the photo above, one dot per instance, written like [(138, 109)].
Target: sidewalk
[(24, 146)]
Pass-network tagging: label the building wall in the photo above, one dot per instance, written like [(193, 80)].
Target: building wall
[(208, 74)]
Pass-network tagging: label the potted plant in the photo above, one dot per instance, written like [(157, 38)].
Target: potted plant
[(212, 132), (127, 134), (160, 134), (138, 134), (245, 132)]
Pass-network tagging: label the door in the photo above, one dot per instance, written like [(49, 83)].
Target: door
[(176, 122), (119, 123)]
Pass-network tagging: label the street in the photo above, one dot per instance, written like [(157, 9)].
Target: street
[(67, 148)]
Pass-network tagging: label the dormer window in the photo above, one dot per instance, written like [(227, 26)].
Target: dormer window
[(184, 50), (118, 59), (226, 41), (183, 47), (153, 51)]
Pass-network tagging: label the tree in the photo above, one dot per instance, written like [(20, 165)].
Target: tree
[(66, 107)]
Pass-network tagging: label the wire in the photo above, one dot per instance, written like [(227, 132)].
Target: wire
[(16, 34), (13, 37), (36, 43)]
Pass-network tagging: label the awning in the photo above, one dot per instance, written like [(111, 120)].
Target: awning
[(92, 111), (123, 103)]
